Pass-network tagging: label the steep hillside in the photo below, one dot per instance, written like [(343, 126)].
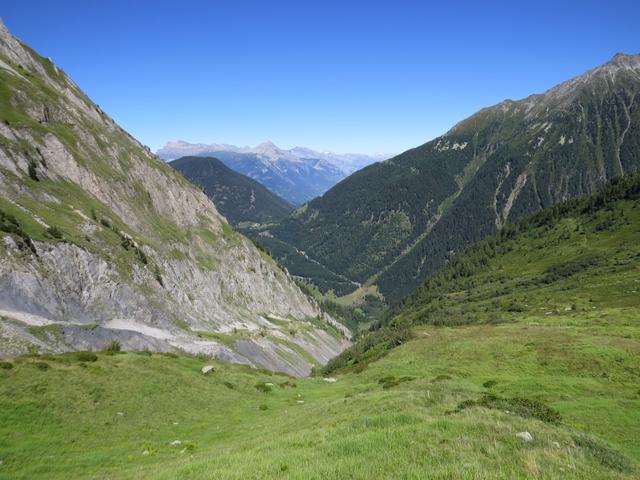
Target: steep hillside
[(394, 223), (576, 264), (101, 241), (297, 175), (521, 359), (238, 198)]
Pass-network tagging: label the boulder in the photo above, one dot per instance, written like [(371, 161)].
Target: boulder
[(206, 370), (525, 436)]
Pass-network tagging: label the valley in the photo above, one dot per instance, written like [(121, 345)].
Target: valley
[(466, 309)]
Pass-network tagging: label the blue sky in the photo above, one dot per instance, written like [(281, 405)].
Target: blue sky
[(347, 76)]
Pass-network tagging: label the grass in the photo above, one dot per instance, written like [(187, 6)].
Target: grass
[(243, 423)]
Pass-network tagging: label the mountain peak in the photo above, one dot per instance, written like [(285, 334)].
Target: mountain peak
[(621, 59)]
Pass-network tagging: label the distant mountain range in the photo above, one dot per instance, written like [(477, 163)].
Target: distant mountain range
[(297, 175), (239, 198), (394, 223)]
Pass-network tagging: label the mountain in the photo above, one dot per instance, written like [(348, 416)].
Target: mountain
[(239, 198), (297, 175), (394, 223), (534, 330), (102, 243), (553, 266)]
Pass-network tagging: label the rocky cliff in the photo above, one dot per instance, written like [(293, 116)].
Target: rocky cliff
[(100, 241)]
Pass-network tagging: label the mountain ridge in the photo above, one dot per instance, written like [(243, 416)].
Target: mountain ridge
[(239, 198), (102, 241), (406, 216), (297, 175)]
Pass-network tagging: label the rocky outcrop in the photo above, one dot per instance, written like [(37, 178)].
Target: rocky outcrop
[(101, 240)]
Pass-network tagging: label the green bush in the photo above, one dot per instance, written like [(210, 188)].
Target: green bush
[(262, 387), (114, 346), (33, 172), (54, 232), (523, 407), (86, 356), (41, 365), (606, 456), (6, 365)]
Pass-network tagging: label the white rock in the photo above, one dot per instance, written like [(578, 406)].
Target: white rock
[(120, 414), (206, 370), (145, 453), (556, 444), (299, 401), (175, 443), (330, 379), (525, 436)]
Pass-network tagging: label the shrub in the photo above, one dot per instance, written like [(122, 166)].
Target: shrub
[(188, 446), (114, 346), (6, 365), (156, 273), (42, 365), (263, 407), (262, 387), (229, 385), (490, 383), (606, 456), (33, 172), (169, 354), (523, 407), (86, 356), (389, 382), (54, 232)]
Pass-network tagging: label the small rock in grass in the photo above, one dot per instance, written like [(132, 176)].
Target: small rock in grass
[(330, 379), (299, 401), (525, 436), (120, 414), (145, 453), (206, 370), (269, 384), (556, 444), (175, 443)]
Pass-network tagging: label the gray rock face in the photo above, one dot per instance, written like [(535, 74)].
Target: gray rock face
[(111, 243)]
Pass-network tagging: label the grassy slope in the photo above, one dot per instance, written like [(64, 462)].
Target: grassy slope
[(568, 341), (63, 422)]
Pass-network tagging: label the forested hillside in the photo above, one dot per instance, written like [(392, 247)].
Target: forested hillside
[(238, 198), (395, 223), (575, 263)]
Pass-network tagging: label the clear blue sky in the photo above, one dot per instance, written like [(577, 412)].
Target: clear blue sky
[(357, 76)]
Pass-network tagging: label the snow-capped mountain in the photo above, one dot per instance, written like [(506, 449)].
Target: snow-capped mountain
[(297, 175)]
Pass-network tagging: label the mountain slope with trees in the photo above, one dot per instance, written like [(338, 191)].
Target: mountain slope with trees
[(394, 223), (239, 198)]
